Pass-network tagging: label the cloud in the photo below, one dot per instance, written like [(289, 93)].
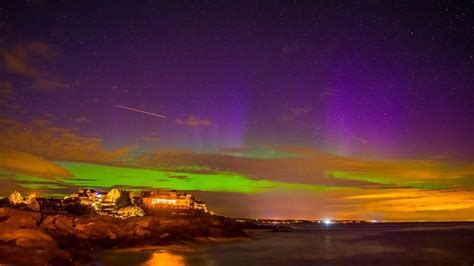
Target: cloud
[(27, 60), (24, 163), (402, 204), (347, 187), (313, 166), (40, 137), (300, 170), (194, 121)]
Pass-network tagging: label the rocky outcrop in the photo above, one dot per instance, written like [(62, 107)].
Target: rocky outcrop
[(100, 227), (64, 238), (19, 219), (28, 238)]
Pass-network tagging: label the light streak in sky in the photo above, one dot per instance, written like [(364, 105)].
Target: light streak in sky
[(139, 111)]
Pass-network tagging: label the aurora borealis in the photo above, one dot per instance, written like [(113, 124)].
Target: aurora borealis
[(274, 110)]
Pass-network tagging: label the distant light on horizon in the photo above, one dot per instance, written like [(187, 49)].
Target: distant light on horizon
[(327, 221)]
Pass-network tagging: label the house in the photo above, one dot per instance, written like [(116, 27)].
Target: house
[(86, 196), (106, 203), (167, 199), (200, 205)]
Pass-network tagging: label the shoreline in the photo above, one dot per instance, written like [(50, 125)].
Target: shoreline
[(183, 245), (66, 239)]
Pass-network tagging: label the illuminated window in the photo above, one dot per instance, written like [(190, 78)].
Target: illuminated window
[(163, 201)]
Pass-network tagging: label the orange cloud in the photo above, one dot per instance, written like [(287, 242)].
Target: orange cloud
[(40, 137), (25, 60), (23, 163), (194, 121), (410, 204)]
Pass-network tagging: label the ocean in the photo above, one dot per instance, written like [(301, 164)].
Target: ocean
[(318, 244)]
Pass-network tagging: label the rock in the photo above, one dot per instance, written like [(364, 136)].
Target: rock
[(80, 227), (120, 230), (4, 212), (48, 222), (165, 235), (141, 233), (58, 225), (96, 229), (28, 238), (34, 232), (34, 205), (13, 255), (110, 234), (175, 224), (20, 219), (148, 222), (215, 231)]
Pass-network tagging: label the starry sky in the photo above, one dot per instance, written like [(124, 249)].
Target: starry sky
[(288, 109)]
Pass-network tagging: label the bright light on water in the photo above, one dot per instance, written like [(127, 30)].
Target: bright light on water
[(327, 221)]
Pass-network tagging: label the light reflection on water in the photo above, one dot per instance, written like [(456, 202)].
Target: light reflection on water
[(165, 258)]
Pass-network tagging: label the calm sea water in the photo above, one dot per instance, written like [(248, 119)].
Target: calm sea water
[(336, 244)]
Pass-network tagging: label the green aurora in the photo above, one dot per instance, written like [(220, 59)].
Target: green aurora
[(102, 176)]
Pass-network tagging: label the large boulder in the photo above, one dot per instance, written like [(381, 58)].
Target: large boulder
[(175, 224), (58, 225), (141, 233), (28, 238), (14, 255), (93, 228), (215, 231), (100, 227), (148, 222), (20, 219), (142, 227)]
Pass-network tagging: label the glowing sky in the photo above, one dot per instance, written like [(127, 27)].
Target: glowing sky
[(301, 110)]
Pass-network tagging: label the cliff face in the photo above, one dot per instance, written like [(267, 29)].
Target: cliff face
[(65, 238)]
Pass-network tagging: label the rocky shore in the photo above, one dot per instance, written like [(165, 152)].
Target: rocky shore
[(34, 238)]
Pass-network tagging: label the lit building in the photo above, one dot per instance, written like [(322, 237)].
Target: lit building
[(106, 203), (86, 196), (167, 199), (200, 205)]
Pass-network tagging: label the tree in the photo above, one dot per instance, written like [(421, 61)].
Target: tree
[(29, 198), (124, 200), (29, 201), (15, 198), (34, 205), (113, 195), (120, 198), (74, 207), (130, 211)]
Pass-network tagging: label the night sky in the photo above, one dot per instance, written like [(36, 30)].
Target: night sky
[(318, 109)]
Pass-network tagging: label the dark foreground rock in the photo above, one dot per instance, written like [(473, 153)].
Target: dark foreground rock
[(34, 238)]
